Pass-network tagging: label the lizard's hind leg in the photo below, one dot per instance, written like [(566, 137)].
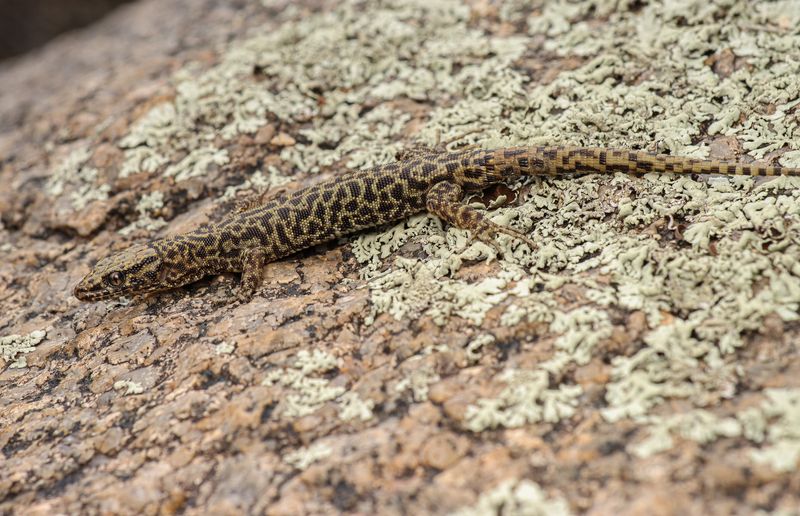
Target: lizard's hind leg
[(445, 200), (253, 261)]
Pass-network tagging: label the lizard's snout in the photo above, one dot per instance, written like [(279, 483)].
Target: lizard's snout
[(82, 290)]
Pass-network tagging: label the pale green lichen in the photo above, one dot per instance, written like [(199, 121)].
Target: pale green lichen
[(74, 174), (673, 364), (147, 205), (516, 497), (782, 410), (705, 262), (316, 361), (580, 330), (774, 425), (422, 290), (304, 457), (129, 387), (13, 348), (224, 348), (370, 249), (477, 345), (351, 407), (526, 399), (721, 287), (365, 140), (141, 159), (418, 382), (305, 394), (69, 167), (258, 183), (698, 425), (197, 163)]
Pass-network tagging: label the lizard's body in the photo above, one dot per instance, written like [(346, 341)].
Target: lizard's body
[(436, 181)]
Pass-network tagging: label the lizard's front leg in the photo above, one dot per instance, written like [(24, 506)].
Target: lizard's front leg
[(445, 201), (253, 261)]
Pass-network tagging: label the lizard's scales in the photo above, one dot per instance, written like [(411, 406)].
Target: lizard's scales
[(436, 181)]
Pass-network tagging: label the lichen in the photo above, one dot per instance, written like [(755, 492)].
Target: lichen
[(580, 330), (305, 457), (672, 364), (257, 183), (418, 382), (129, 387), (147, 205), (197, 163), (304, 393), (704, 261), (351, 407), (475, 347), (13, 348), (526, 399), (73, 174), (782, 410), (224, 348), (698, 425), (772, 426), (514, 497), (414, 288)]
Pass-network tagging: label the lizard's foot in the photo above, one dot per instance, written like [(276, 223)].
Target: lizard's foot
[(444, 201), (488, 231)]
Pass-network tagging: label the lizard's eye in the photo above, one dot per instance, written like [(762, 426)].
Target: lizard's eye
[(116, 278)]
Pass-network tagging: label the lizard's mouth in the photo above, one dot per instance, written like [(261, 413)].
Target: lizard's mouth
[(88, 292)]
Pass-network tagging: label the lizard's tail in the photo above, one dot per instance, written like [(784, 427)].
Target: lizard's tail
[(570, 160)]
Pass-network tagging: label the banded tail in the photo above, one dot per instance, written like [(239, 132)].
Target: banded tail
[(515, 161)]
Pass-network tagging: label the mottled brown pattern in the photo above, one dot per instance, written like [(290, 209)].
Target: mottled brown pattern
[(430, 180)]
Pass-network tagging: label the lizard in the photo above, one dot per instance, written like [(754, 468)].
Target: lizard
[(432, 180)]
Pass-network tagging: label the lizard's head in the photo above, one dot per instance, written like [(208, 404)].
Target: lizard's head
[(136, 270)]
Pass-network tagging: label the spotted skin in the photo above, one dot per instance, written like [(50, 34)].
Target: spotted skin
[(435, 181)]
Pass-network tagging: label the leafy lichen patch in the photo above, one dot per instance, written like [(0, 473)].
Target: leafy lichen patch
[(773, 426), (259, 183), (148, 204), (74, 175), (475, 347), (353, 407), (304, 457), (698, 425), (224, 348), (705, 260), (321, 69), (781, 410), (129, 387), (517, 497), (307, 393), (418, 382), (13, 348), (415, 287), (527, 398)]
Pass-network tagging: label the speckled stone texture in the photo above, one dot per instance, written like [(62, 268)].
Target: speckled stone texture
[(643, 360)]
